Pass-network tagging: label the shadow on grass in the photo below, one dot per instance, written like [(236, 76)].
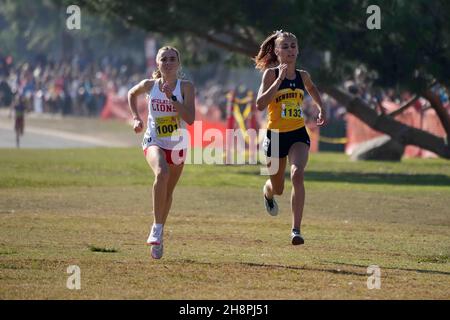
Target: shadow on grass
[(333, 270), (379, 178), (391, 268), (373, 178), (102, 249), (279, 266)]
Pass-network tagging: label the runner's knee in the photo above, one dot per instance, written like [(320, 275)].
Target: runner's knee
[(162, 175), (297, 175)]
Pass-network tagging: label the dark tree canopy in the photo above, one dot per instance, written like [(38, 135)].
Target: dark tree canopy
[(412, 45), (29, 27)]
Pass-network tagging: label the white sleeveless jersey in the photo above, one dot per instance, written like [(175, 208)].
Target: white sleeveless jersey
[(164, 123)]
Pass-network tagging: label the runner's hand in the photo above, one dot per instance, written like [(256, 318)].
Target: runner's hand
[(282, 68), (138, 125), (321, 118)]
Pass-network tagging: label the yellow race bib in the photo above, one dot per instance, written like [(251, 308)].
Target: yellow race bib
[(291, 110), (167, 126)]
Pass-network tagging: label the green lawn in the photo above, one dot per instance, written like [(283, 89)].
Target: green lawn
[(91, 208)]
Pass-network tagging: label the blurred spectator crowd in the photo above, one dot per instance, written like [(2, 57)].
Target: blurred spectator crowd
[(77, 87), (81, 86)]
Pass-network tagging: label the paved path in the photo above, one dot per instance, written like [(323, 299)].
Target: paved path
[(46, 138)]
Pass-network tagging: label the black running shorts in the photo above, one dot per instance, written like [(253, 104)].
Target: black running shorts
[(283, 142)]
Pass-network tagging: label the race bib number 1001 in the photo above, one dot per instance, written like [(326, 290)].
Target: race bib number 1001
[(291, 111), (167, 126)]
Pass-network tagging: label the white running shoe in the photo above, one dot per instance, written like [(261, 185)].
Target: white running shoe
[(270, 204), (155, 237), (157, 251), (296, 237)]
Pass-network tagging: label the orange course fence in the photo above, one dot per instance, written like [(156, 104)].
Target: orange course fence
[(358, 131)]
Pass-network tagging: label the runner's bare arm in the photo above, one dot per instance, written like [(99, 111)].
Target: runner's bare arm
[(312, 89), (314, 93), (268, 89), (186, 109), (141, 88)]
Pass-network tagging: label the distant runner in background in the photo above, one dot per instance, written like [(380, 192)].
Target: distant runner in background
[(19, 107)]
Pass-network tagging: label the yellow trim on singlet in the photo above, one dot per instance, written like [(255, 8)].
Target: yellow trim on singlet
[(286, 97)]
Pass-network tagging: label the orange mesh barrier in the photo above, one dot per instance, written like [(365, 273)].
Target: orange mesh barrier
[(358, 131)]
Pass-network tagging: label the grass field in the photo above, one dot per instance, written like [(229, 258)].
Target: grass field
[(91, 208)]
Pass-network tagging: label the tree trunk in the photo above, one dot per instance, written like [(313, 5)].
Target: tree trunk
[(400, 132), (440, 110)]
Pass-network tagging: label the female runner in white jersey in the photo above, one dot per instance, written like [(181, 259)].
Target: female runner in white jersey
[(170, 106)]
